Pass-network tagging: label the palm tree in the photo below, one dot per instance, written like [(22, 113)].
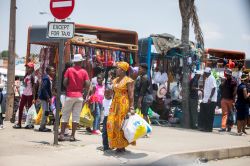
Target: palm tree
[(188, 13)]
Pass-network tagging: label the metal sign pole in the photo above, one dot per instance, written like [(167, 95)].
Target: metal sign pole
[(59, 80)]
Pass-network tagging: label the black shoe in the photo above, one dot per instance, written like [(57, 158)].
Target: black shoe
[(44, 130), (222, 130), (12, 120), (88, 129), (17, 126), (229, 129), (29, 127)]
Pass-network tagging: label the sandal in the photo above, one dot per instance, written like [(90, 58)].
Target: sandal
[(72, 139), (17, 126), (120, 150), (61, 138)]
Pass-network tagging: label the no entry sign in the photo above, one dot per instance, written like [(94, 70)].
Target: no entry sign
[(61, 9)]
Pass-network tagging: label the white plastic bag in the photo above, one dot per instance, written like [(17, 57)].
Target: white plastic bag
[(31, 115), (135, 127)]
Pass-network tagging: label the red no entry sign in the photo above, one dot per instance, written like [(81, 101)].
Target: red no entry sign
[(61, 9)]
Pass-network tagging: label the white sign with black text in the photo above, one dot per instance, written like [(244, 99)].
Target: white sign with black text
[(61, 30)]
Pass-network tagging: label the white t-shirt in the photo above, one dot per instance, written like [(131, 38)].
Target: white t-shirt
[(106, 105), (210, 83)]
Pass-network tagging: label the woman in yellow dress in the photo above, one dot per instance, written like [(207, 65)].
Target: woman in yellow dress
[(122, 105)]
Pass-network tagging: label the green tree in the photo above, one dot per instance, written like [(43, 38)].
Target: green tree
[(5, 54)]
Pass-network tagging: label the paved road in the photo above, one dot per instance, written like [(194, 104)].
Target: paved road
[(25, 147)]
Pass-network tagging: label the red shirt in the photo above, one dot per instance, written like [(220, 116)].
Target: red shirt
[(76, 77)]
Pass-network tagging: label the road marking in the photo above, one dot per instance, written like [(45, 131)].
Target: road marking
[(62, 4)]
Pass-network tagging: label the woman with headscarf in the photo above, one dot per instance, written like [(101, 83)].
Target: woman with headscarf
[(242, 104), (122, 105)]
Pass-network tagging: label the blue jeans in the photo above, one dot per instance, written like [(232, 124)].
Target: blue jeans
[(105, 134), (45, 107), (96, 109)]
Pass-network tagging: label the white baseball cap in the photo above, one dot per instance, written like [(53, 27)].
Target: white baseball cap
[(207, 70), (77, 58), (198, 72)]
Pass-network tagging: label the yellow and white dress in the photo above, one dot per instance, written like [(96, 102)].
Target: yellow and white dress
[(118, 110)]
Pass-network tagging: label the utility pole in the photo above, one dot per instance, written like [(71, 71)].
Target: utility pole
[(11, 61)]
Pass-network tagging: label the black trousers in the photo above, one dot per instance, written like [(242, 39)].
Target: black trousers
[(206, 116), (193, 108), (105, 134), (1, 118)]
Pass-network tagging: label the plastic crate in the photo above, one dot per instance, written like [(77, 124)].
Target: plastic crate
[(217, 121)]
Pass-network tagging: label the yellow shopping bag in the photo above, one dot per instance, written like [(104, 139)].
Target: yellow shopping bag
[(39, 116), (86, 118), (138, 111)]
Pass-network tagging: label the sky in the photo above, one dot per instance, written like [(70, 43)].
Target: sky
[(225, 23)]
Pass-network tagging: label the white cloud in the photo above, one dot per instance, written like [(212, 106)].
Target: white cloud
[(211, 31), (245, 37)]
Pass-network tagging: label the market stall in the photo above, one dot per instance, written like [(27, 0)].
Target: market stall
[(219, 58), (99, 46), (164, 56)]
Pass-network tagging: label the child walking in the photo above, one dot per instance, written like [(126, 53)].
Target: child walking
[(45, 96), (108, 94), (96, 104)]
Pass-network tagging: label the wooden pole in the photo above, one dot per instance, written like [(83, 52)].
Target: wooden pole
[(11, 61)]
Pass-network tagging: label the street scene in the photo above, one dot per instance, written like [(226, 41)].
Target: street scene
[(129, 83)]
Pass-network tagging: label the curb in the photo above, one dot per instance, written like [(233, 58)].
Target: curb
[(219, 154), (204, 156)]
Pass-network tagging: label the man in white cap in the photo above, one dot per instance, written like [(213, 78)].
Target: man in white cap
[(75, 80), (194, 98), (207, 107)]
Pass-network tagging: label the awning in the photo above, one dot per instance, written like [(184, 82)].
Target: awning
[(228, 54)]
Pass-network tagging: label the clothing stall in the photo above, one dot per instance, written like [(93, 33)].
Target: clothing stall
[(99, 46), (164, 57)]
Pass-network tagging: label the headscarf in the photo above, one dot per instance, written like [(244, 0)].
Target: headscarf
[(123, 65)]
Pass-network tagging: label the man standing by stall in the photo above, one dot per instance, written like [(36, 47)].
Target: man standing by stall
[(75, 80), (228, 94), (207, 107), (194, 98), (143, 91)]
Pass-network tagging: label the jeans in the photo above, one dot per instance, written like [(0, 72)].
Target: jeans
[(144, 108), (45, 107), (96, 109), (105, 134)]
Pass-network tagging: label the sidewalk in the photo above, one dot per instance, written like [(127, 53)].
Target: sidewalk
[(165, 145)]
